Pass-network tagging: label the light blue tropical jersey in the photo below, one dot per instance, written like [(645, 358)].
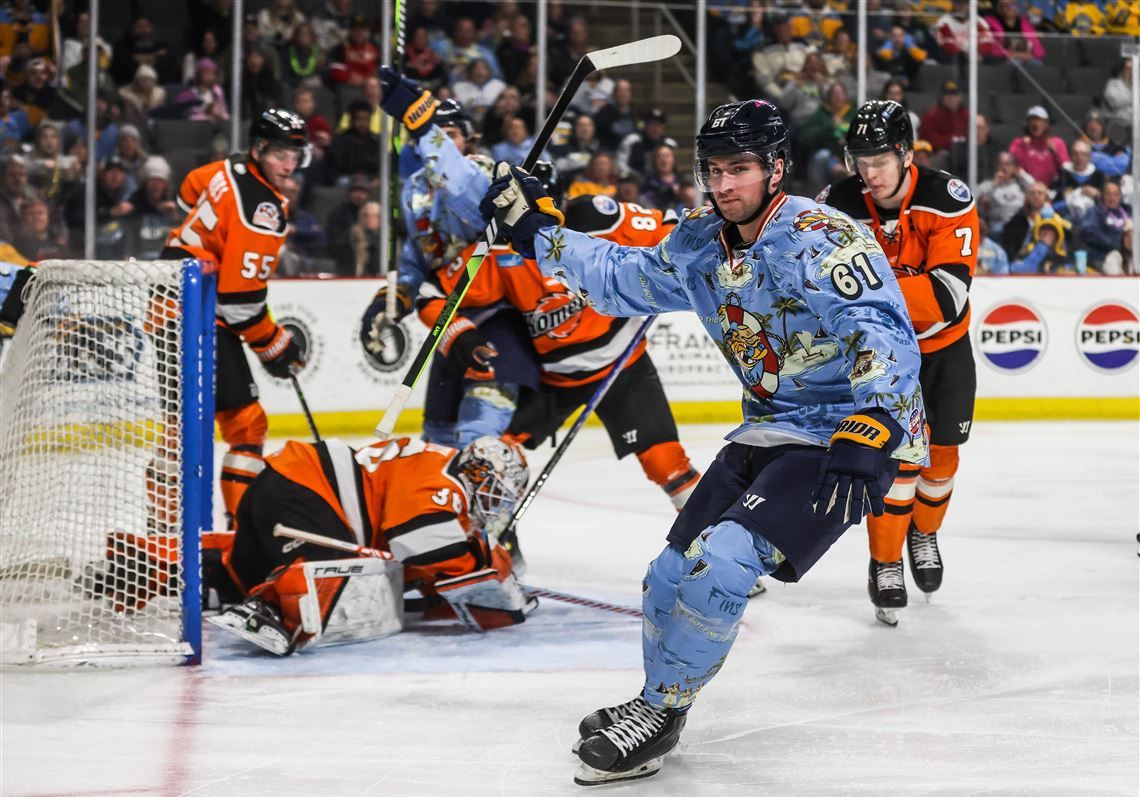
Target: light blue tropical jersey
[(809, 317), (440, 207)]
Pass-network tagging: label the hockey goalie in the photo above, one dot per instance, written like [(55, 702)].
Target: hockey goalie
[(424, 504)]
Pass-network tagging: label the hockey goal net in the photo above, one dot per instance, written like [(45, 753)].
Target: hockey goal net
[(106, 396)]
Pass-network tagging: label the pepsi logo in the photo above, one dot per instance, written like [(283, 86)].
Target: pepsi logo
[(1108, 337), (1012, 337)]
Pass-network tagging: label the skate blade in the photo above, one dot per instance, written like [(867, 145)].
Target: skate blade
[(926, 596), (273, 642), (887, 616), (588, 776)]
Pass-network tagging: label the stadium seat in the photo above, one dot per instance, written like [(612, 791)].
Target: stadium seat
[(994, 77), (1011, 108), (1061, 50), (932, 75), (1087, 79), (325, 199), (1004, 133), (1076, 106), (1050, 79), (921, 102), (174, 134), (1101, 52)]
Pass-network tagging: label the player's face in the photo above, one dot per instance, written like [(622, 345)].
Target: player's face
[(737, 183), (456, 136), (278, 165), (880, 174)]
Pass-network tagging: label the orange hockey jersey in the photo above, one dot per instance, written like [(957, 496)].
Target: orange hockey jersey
[(575, 344), (238, 220), (407, 500), (932, 246)]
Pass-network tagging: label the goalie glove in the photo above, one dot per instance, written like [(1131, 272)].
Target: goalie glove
[(407, 101), (279, 353), (483, 602), (467, 351), (856, 461), (520, 206)]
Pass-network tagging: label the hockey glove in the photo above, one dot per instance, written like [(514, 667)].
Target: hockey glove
[(407, 101), (280, 355), (519, 204), (858, 457), (467, 351), (376, 318)]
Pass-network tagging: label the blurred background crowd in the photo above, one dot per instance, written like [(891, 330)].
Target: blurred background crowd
[(1054, 122)]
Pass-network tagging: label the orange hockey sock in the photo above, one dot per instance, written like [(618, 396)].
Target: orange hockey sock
[(935, 486), (667, 465), (888, 531)]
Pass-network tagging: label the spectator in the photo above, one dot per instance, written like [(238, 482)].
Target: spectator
[(1037, 152), (461, 49), (106, 128), (1116, 99), (838, 55), (923, 153), (259, 89), (572, 158), (38, 238), (357, 59), (1083, 17), (815, 24), (515, 50), (112, 209), (132, 154), (204, 98), (305, 248), (340, 222), (434, 19), (356, 150), (596, 92), (616, 120), (778, 61), (957, 160), (331, 24), (423, 63), (991, 257), (140, 46), (366, 240), (14, 124), (35, 96), (662, 189), (1013, 35), (900, 55), (141, 96), (320, 131), (688, 197), (508, 105), (26, 31), (1044, 252), (50, 171), (1000, 197), (633, 154), (823, 134), (1108, 156), (516, 142), (1017, 232), (278, 23), (600, 177), (1080, 184), (564, 53), (14, 193), (208, 46), (371, 97), (1106, 232), (802, 94), (952, 33), (895, 91), (628, 189), (251, 40), (302, 61), (155, 213), (216, 16), (479, 88), (75, 47), (879, 24)]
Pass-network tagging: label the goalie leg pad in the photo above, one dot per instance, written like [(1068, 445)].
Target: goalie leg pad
[(486, 599)]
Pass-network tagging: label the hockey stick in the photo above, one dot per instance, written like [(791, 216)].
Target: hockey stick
[(400, 13), (281, 530), (508, 534), (305, 407), (655, 48)]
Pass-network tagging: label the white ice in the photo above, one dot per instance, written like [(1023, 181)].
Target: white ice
[(1019, 678)]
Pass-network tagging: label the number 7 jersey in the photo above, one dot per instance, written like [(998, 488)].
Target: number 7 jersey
[(235, 218)]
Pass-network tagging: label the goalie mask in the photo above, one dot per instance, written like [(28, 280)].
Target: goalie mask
[(495, 475)]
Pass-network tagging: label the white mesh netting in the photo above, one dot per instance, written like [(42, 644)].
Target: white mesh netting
[(91, 451)]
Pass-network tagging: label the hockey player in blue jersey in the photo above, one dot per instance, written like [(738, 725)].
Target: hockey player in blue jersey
[(804, 307), (486, 357)]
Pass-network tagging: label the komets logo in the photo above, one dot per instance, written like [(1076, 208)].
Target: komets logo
[(556, 316)]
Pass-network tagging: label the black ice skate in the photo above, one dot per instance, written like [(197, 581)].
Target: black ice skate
[(887, 589), (758, 588), (603, 718), (633, 747), (925, 561), (257, 622)]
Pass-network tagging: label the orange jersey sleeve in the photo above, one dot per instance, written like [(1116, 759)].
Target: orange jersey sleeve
[(485, 289)]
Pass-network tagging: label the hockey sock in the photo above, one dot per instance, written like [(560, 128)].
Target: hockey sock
[(667, 465), (888, 531), (935, 486), (719, 569), (245, 430)]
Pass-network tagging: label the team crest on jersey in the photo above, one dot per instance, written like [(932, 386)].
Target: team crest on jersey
[(959, 190), (605, 205), (556, 316), (744, 336), (838, 230), (266, 215)]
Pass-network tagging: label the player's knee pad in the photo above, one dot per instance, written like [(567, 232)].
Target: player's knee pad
[(667, 465), (486, 409), (659, 594), (246, 427)]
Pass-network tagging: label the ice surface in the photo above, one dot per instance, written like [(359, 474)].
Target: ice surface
[(1019, 678)]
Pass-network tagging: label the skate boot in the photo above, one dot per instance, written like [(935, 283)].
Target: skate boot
[(925, 561), (633, 747), (887, 589), (256, 621), (603, 718), (758, 588)]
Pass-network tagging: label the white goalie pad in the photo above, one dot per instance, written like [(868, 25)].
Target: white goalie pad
[(370, 606)]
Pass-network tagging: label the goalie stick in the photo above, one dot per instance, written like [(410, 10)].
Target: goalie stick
[(655, 48), (281, 530)]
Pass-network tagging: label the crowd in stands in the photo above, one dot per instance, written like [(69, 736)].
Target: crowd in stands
[(1054, 125)]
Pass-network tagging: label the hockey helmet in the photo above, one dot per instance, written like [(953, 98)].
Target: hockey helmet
[(547, 174), (753, 127), (879, 126), (277, 127), (450, 113), (495, 474)]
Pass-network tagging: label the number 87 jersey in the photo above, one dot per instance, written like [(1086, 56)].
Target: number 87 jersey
[(235, 218)]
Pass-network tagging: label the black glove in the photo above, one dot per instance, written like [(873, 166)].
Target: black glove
[(407, 101), (467, 351), (519, 204), (376, 318), (859, 455), (280, 355)]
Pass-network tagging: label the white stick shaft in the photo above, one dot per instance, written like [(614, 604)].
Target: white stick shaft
[(281, 530)]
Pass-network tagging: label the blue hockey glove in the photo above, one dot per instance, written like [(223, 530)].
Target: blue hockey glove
[(407, 101), (859, 455), (520, 206)]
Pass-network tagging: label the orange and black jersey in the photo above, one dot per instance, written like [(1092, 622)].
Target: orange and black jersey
[(235, 218), (575, 344), (406, 499), (931, 242)]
